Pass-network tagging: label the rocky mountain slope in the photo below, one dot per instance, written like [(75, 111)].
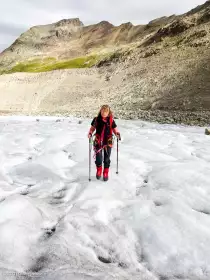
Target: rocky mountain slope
[(69, 38), (159, 71)]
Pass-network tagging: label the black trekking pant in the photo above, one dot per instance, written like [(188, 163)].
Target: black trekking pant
[(106, 152)]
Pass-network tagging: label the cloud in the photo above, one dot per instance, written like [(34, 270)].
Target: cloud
[(9, 33), (6, 40), (116, 11), (17, 16)]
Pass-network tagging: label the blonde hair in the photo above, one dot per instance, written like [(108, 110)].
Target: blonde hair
[(105, 107)]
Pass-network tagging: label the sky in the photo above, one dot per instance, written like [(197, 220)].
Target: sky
[(17, 16)]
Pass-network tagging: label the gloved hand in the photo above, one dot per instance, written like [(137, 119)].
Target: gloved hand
[(89, 135), (118, 136)]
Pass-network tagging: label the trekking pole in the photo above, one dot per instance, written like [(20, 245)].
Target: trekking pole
[(90, 158), (117, 156), (118, 139)]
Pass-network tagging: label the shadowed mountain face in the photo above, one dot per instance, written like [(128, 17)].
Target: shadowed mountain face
[(162, 66)]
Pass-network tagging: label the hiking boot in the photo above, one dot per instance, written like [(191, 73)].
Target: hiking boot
[(106, 174), (99, 171)]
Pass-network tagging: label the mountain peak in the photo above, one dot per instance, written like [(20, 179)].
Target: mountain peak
[(105, 23), (72, 21)]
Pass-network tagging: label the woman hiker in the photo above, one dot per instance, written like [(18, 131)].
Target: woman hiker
[(104, 125)]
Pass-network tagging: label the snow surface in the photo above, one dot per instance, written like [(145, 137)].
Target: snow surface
[(152, 221)]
